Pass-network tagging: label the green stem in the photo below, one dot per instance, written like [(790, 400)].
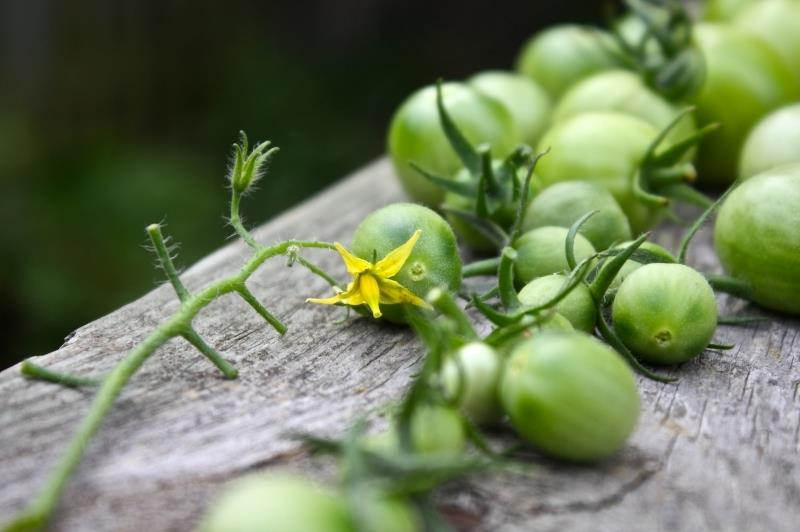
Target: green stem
[(236, 222), (154, 231), (481, 267), (38, 513), (319, 272), (444, 303), (210, 353), (248, 296), (730, 285), (32, 371)]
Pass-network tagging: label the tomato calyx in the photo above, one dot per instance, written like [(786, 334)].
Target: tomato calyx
[(662, 174), (664, 53), (492, 187)]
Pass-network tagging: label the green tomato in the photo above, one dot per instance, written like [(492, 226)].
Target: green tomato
[(632, 264), (665, 313), (541, 252), (554, 323), (278, 502), (434, 261), (570, 395), (778, 23), (724, 10), (605, 148), (416, 135), (437, 430), (529, 104), (563, 203), (774, 141), (387, 514), (577, 307), (503, 216), (624, 92), (562, 55), (471, 376), (745, 80), (757, 237)]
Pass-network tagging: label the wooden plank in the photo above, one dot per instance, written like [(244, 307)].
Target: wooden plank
[(717, 451)]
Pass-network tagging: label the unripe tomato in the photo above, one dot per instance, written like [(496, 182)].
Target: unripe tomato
[(722, 10), (774, 141), (562, 55), (778, 23), (437, 429), (757, 237), (528, 103), (416, 135), (665, 313), (471, 375), (554, 323), (570, 395), (632, 264), (577, 307), (434, 261), (624, 92), (278, 503), (504, 216), (541, 252), (563, 203), (604, 148), (745, 80)]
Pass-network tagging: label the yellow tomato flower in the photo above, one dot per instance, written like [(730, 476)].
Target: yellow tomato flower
[(372, 284)]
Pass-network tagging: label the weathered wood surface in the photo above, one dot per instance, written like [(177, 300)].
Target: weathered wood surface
[(718, 451)]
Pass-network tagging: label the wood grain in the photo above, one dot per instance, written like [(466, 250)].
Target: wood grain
[(720, 450)]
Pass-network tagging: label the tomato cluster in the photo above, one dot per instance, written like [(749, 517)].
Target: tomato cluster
[(554, 174)]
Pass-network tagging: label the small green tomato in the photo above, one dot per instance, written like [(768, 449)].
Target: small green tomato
[(774, 141), (541, 252), (577, 307), (562, 55), (434, 260), (278, 502), (757, 237), (471, 376), (529, 104), (665, 313), (416, 135), (563, 203), (436, 430), (570, 395)]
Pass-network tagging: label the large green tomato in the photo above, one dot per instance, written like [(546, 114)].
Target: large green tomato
[(722, 10), (434, 261), (778, 23), (623, 91), (416, 135), (757, 237), (542, 251), (278, 503), (529, 104), (570, 395), (745, 80), (605, 148), (562, 55), (774, 141)]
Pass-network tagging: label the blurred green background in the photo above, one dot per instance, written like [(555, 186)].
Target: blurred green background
[(117, 114)]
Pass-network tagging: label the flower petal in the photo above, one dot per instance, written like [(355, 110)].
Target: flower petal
[(368, 286), (393, 293), (354, 265), (389, 265), (341, 297)]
